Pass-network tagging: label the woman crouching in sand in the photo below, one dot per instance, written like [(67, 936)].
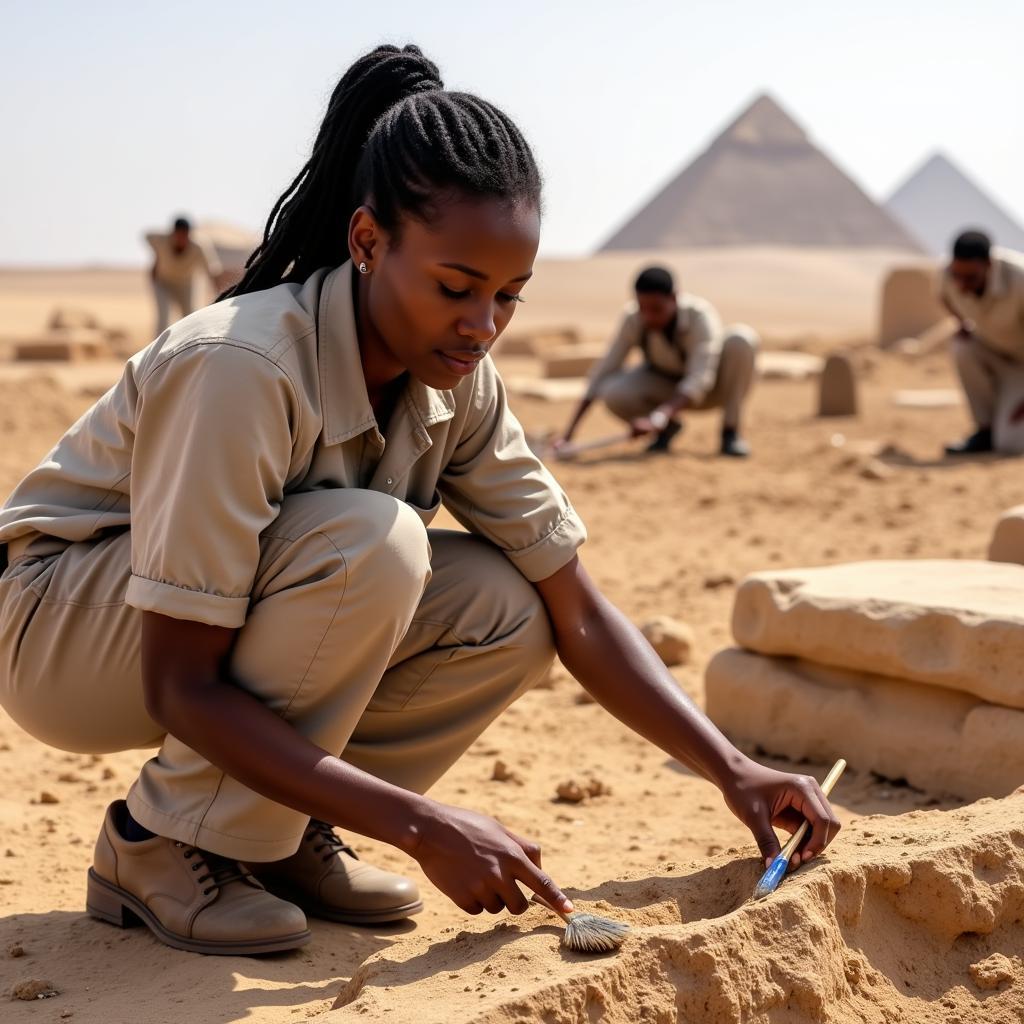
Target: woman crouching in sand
[(228, 557)]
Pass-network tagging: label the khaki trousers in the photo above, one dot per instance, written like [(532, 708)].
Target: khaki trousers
[(384, 644), (994, 386), (167, 293), (637, 392)]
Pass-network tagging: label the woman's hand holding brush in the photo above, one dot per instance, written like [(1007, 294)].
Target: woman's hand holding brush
[(762, 798), (477, 862)]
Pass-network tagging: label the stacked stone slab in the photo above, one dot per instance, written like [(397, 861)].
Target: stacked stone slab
[(911, 669), (1008, 538)]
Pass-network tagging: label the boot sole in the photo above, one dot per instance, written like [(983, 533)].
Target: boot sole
[(108, 902)]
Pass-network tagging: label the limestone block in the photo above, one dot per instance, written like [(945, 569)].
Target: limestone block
[(572, 360), (837, 392), (938, 740), (952, 623), (70, 316), (910, 303), (1008, 539), (781, 365), (928, 398), (537, 342), (66, 344)]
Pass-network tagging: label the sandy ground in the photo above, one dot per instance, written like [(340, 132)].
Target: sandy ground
[(669, 536)]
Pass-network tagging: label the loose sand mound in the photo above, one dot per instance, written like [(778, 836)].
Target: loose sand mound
[(909, 919)]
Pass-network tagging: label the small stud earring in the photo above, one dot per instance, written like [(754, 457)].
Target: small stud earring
[(363, 268)]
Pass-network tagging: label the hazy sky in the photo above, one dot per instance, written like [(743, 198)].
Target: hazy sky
[(117, 115)]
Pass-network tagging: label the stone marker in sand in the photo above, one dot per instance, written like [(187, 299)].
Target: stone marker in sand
[(572, 360), (64, 344), (536, 342), (71, 316), (939, 740), (958, 624), (910, 303), (909, 918), (671, 639), (783, 365), (1007, 543), (837, 394)]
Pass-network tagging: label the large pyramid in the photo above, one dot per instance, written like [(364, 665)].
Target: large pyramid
[(761, 182), (938, 201)]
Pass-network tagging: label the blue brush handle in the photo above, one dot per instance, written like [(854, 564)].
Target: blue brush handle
[(773, 876)]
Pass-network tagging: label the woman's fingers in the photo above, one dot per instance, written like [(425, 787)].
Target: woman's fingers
[(825, 826), (541, 883)]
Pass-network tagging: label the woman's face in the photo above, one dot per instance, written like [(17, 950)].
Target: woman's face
[(437, 301)]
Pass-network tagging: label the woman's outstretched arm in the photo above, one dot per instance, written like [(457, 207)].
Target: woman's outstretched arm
[(612, 660)]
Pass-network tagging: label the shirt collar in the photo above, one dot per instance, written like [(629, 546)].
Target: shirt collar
[(997, 285), (343, 396)]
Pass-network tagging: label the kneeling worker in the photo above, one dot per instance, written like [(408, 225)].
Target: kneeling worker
[(983, 287), (689, 363)]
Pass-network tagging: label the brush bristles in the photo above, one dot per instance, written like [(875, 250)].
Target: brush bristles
[(588, 933)]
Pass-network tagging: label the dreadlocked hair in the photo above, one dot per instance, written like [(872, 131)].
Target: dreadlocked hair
[(394, 138)]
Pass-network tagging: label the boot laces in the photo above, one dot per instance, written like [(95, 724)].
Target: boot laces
[(329, 840), (219, 870)]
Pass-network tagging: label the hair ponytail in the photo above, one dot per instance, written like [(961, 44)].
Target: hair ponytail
[(392, 133), (306, 227)]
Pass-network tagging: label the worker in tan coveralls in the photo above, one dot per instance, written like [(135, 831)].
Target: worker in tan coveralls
[(689, 362), (983, 287), (230, 558), (177, 258)]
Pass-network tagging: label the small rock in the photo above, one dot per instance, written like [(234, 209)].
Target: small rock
[(15, 949), (108, 774), (671, 639), (67, 1013), (502, 773), (33, 989), (993, 971), (48, 798), (571, 792), (595, 787), (722, 579), (875, 469), (68, 777)]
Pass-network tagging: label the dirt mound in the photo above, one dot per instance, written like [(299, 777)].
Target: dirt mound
[(905, 921)]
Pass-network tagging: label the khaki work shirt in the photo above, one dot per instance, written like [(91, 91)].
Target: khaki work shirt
[(998, 315), (261, 396), (178, 268), (690, 355)]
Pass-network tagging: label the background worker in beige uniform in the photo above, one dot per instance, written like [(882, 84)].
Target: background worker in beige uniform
[(228, 555), (177, 259), (689, 362), (984, 289)]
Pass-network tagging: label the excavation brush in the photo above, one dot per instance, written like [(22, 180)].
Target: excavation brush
[(773, 876)]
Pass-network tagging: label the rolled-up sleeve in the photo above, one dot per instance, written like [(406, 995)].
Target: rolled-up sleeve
[(495, 486), (627, 336), (211, 455), (704, 346)]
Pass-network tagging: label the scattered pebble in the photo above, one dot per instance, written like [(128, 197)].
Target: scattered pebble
[(15, 949), (994, 971), (108, 774), (671, 639), (571, 792), (47, 798), (68, 777), (502, 773), (33, 989), (716, 580)]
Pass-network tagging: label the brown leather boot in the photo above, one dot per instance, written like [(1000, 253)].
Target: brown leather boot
[(327, 879), (188, 898)]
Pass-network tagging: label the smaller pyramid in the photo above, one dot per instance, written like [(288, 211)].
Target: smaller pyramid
[(938, 201), (762, 181)]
